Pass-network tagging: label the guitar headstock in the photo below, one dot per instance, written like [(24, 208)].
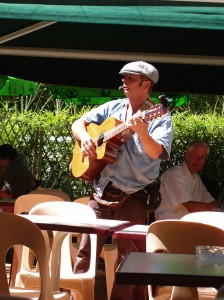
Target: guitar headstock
[(158, 110), (165, 101)]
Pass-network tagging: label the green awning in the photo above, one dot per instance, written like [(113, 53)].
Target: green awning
[(204, 17), (65, 42), (15, 87), (91, 96), (10, 86)]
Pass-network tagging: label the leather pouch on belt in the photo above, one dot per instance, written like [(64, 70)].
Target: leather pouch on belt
[(105, 202), (111, 196), (150, 196)]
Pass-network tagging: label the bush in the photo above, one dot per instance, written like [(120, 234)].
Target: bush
[(44, 135), (206, 127)]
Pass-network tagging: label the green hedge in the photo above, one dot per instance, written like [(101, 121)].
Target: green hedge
[(207, 127), (195, 120)]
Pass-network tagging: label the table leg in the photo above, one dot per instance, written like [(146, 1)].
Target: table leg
[(141, 292)]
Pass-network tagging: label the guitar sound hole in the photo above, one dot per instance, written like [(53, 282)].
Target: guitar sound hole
[(100, 140)]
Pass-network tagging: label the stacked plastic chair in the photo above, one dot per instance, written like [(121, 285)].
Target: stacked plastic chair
[(24, 204), (181, 237), (16, 230), (61, 262)]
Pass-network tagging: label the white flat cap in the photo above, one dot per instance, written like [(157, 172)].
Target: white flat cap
[(141, 68)]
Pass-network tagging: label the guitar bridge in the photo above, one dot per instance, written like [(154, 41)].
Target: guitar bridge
[(111, 152)]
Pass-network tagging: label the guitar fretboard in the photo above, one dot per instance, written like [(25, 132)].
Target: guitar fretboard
[(154, 112), (109, 134)]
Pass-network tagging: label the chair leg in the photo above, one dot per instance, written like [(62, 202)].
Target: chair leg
[(184, 293), (15, 264), (110, 258), (75, 295)]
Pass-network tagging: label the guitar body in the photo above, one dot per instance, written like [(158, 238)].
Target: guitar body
[(89, 168)]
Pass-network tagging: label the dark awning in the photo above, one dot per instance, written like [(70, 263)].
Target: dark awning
[(86, 45)]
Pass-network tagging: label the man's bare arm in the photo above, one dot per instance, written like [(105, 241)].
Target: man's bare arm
[(5, 195), (193, 206)]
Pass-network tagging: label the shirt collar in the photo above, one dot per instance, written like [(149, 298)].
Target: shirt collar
[(187, 170)]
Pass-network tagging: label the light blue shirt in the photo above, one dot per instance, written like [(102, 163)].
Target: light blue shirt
[(133, 169)]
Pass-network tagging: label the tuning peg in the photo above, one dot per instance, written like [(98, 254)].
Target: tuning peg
[(165, 101)]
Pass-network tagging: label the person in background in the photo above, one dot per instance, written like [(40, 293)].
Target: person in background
[(181, 188), (121, 190), (15, 176)]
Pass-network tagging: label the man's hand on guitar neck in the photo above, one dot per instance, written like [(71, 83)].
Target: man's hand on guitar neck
[(138, 124)]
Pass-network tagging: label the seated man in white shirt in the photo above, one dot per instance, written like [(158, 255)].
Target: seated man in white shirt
[(182, 190)]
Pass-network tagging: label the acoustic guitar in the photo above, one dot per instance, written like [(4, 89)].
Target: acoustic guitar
[(108, 137)]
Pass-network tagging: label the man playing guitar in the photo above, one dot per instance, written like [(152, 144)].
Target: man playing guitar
[(125, 186)]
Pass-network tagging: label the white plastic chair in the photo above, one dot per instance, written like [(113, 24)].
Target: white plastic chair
[(214, 218), (53, 192), (181, 237), (4, 297), (16, 230), (220, 295), (24, 204), (61, 257), (82, 200)]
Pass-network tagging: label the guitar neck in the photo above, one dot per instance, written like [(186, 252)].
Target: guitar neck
[(154, 112), (110, 134)]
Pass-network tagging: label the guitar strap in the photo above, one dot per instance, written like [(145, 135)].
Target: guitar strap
[(146, 105)]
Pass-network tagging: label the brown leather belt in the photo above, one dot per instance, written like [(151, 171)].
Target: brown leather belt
[(113, 196), (145, 189)]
